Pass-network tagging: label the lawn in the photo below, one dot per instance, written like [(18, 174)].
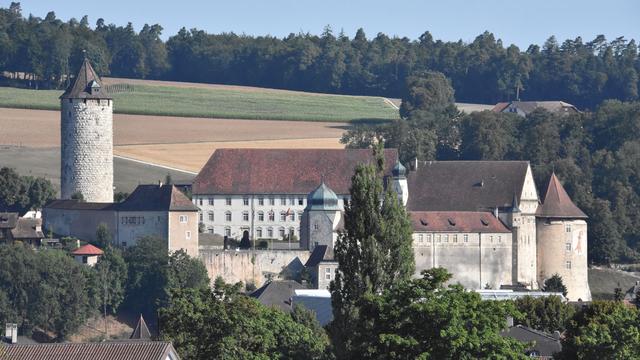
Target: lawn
[(221, 102)]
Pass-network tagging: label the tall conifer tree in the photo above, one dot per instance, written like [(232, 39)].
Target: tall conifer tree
[(373, 251)]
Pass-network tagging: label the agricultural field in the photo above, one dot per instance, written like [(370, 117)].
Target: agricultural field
[(219, 101)]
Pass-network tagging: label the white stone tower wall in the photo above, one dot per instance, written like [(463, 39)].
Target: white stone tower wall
[(87, 149), (560, 242)]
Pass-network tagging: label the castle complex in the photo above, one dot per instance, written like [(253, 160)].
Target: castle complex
[(482, 220)]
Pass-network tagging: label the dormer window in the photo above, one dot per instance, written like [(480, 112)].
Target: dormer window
[(451, 222), (484, 222)]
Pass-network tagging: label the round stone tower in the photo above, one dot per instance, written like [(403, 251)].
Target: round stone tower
[(86, 139), (562, 242)]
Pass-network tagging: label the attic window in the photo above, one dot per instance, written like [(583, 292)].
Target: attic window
[(424, 222), (484, 222), (451, 222)]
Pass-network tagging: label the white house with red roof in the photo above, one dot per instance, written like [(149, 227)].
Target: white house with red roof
[(87, 254)]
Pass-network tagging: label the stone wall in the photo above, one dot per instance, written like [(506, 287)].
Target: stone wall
[(252, 266), (87, 149), (473, 264), (562, 250)]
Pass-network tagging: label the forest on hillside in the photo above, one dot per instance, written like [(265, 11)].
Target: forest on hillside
[(580, 72)]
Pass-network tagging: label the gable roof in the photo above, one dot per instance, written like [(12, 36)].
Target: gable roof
[(529, 106), (87, 249), (80, 88), (545, 344), (141, 332), (277, 293), (282, 171), (27, 228), (465, 185), (319, 254), (117, 350), (456, 221), (557, 203), (156, 198)]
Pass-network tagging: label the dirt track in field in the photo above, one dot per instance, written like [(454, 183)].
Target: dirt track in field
[(41, 128), (192, 156)]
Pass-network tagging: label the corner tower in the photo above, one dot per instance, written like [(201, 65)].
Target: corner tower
[(86, 138), (562, 241)]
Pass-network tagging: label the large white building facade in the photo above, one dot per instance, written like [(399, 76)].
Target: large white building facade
[(482, 220)]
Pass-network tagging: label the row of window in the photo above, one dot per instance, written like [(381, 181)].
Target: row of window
[(261, 201), (271, 216), (454, 238), (260, 232)]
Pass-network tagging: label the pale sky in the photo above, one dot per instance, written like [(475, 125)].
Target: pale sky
[(515, 21)]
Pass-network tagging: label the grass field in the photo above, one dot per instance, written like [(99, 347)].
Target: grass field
[(604, 281), (228, 102)]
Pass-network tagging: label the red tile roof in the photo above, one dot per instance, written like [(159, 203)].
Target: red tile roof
[(120, 350), (465, 185), (557, 203), (456, 221), (87, 250), (282, 171)]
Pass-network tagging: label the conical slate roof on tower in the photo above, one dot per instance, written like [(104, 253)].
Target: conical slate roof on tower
[(557, 203), (86, 85), (141, 332)]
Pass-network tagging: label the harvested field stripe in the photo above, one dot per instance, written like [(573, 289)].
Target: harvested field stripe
[(156, 165)]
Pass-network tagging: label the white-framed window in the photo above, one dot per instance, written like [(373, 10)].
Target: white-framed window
[(446, 238), (568, 265), (260, 216), (439, 238), (465, 237), (300, 201), (282, 232), (259, 232), (200, 201), (272, 201), (292, 201), (327, 270), (183, 219), (211, 216), (292, 232), (245, 201), (420, 238), (567, 228), (261, 201), (316, 226), (283, 216), (327, 276), (270, 233), (428, 238), (227, 216), (283, 200), (491, 238), (211, 201), (499, 238), (455, 238), (227, 201), (201, 217), (245, 216), (188, 235), (292, 216), (210, 230), (227, 231), (567, 246), (272, 216)]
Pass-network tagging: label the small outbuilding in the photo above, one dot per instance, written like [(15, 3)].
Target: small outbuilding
[(87, 254)]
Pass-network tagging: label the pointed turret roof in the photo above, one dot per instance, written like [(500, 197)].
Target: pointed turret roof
[(141, 332), (514, 204), (322, 198), (86, 85), (557, 203)]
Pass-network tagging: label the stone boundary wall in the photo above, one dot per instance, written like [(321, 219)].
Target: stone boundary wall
[(252, 266)]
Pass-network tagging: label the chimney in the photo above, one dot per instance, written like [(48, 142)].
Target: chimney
[(77, 243), (496, 212), (509, 322), (11, 332), (159, 183)]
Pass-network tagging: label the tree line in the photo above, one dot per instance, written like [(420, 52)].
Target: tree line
[(595, 153), (485, 70)]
